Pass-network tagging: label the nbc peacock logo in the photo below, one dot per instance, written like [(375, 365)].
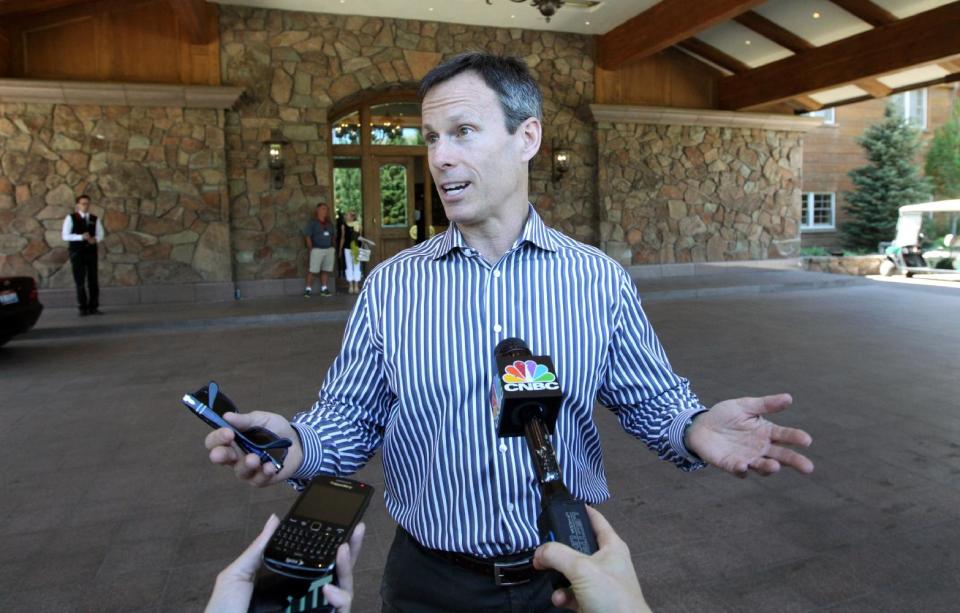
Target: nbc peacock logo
[(528, 376)]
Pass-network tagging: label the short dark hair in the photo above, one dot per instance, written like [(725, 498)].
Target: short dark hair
[(81, 197), (508, 77)]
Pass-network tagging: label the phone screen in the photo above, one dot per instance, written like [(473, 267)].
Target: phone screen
[(331, 504)]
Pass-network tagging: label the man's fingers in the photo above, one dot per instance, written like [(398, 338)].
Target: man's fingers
[(221, 437), (774, 404), (224, 455), (765, 466), (789, 457), (249, 468), (790, 436)]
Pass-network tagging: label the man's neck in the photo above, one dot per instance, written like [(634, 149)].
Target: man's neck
[(495, 238)]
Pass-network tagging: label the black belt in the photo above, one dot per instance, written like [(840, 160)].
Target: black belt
[(513, 569)]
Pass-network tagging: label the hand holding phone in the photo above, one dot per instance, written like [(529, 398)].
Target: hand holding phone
[(210, 404), (323, 517)]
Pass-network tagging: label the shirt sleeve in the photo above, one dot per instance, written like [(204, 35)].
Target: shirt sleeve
[(652, 402), (345, 427), (67, 232)]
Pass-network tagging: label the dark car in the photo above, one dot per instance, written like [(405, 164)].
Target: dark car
[(19, 306)]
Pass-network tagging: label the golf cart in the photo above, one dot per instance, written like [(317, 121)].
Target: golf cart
[(904, 253)]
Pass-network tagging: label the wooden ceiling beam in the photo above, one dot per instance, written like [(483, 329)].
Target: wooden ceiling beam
[(768, 29), (194, 17), (806, 103), (709, 52), (922, 38), (950, 65), (663, 25), (867, 11), (787, 39), (27, 7), (875, 88)]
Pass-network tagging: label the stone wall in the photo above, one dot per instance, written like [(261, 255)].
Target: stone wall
[(859, 265), (296, 66), (693, 193), (156, 177)]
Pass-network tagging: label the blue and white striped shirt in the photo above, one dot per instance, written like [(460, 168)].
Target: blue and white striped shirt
[(415, 371)]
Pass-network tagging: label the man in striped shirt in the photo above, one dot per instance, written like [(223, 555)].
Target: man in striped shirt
[(415, 370)]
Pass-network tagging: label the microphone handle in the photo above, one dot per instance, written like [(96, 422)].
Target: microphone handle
[(564, 519)]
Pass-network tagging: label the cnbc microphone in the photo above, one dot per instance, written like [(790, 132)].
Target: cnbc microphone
[(526, 400)]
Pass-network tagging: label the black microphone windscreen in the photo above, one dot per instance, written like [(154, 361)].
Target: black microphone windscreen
[(509, 347)]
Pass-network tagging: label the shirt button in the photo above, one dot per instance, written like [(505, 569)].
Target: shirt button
[(497, 328), (503, 448), (509, 506), (496, 274)]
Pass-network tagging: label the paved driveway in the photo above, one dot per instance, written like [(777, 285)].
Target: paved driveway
[(109, 503)]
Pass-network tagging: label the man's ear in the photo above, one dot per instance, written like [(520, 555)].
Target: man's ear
[(530, 133)]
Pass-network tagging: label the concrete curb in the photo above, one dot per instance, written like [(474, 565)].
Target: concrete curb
[(206, 324), (185, 325)]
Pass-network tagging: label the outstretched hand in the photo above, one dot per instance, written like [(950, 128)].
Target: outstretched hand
[(735, 436)]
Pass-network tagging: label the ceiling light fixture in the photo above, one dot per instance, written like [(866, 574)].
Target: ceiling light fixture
[(816, 15), (547, 8), (746, 42)]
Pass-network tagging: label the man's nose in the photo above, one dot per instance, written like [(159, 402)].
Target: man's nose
[(442, 155)]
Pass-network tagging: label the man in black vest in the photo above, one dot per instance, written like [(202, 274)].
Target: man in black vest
[(82, 231)]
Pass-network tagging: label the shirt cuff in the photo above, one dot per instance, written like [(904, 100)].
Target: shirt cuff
[(312, 448), (677, 430)]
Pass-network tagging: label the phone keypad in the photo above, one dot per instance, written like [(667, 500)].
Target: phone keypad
[(311, 540)]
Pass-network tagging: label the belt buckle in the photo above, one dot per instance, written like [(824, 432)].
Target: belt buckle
[(498, 573)]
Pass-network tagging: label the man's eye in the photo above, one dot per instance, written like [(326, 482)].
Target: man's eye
[(464, 130)]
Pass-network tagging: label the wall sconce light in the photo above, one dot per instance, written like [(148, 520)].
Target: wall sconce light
[(275, 160), (561, 162)]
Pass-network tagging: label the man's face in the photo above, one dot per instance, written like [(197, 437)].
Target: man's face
[(478, 167), (83, 206), (322, 212)]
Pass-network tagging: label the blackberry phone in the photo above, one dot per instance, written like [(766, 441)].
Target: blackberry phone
[(209, 404), (324, 516)]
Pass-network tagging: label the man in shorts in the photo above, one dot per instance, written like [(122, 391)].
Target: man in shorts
[(320, 235)]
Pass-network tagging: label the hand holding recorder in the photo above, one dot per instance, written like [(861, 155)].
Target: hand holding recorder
[(604, 582), (263, 448)]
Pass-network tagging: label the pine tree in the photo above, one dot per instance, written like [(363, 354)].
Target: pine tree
[(890, 180), (943, 158)]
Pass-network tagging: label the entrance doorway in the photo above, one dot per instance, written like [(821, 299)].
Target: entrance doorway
[(380, 173)]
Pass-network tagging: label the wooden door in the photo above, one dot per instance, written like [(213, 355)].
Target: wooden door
[(389, 209)]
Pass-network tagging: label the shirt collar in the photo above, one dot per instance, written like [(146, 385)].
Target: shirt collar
[(534, 232)]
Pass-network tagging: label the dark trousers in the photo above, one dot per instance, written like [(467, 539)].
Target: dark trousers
[(84, 264), (416, 581)]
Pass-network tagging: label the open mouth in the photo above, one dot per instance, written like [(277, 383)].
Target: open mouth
[(454, 189)]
